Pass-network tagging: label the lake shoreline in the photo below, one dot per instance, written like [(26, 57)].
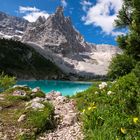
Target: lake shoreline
[(67, 88), (56, 80)]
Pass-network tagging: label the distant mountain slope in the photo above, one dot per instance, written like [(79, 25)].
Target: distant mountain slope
[(24, 62), (11, 26)]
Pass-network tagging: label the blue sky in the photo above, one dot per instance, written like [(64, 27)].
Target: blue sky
[(93, 18)]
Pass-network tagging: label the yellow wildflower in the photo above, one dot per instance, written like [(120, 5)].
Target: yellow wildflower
[(89, 108), (83, 110), (123, 130), (93, 103), (94, 107), (135, 119)]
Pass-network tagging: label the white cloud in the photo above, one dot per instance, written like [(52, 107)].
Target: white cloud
[(32, 13), (23, 9), (103, 14), (85, 5), (64, 3)]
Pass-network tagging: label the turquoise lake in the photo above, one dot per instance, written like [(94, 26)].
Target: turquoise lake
[(65, 87)]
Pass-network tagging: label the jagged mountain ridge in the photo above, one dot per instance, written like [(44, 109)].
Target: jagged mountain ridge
[(57, 40), (56, 33), (11, 26)]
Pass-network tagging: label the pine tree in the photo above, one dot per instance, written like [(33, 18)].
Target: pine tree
[(129, 18)]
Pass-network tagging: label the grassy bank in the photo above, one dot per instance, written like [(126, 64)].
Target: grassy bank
[(111, 110), (19, 120)]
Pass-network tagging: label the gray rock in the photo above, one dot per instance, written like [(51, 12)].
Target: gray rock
[(70, 119), (22, 118), (48, 98), (0, 108), (12, 26), (37, 89), (58, 93), (20, 86), (1, 134), (36, 105), (19, 93), (37, 99), (1, 98), (53, 95), (5, 137), (61, 99)]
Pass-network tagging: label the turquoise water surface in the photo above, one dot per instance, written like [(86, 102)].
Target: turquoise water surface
[(65, 87)]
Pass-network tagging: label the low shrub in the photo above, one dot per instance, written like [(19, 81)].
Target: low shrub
[(39, 94), (6, 82), (121, 65), (26, 137), (39, 120), (17, 98), (36, 121), (136, 71)]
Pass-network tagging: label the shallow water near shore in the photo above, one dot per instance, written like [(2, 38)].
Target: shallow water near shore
[(65, 87)]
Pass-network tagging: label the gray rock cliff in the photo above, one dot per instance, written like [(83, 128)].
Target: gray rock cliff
[(56, 33), (11, 26)]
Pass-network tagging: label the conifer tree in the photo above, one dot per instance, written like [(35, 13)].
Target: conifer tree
[(129, 18)]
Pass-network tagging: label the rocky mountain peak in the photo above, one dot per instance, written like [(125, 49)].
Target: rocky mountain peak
[(41, 20), (56, 33), (68, 20), (59, 11), (59, 19), (11, 26), (59, 16), (2, 16)]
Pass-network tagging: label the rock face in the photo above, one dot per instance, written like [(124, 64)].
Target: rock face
[(11, 27), (56, 33)]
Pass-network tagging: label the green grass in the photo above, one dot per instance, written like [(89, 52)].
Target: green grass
[(36, 121), (42, 120), (111, 116), (29, 94)]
